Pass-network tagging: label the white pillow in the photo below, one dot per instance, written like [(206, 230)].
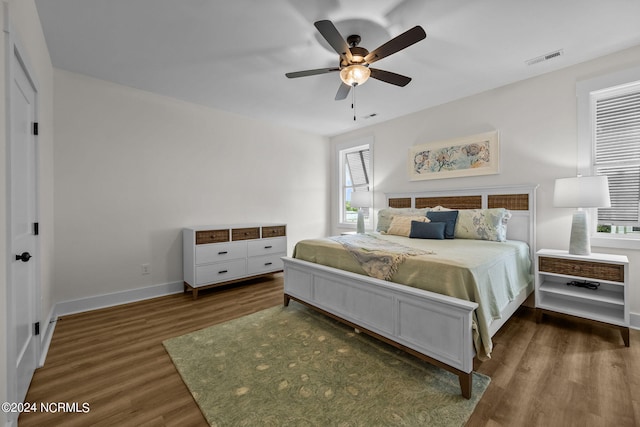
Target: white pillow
[(482, 224), (401, 225), (386, 215)]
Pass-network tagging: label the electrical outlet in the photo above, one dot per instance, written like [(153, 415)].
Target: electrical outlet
[(146, 269)]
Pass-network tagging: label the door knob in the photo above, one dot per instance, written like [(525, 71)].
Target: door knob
[(24, 257)]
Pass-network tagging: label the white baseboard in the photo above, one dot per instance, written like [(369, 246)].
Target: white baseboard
[(117, 298), (101, 301), (634, 320), (46, 332)]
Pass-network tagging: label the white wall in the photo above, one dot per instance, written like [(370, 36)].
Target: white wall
[(538, 136), (25, 29), (133, 168)]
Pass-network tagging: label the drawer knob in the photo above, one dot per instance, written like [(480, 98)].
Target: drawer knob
[(222, 271), (223, 253), (268, 247), (268, 263)]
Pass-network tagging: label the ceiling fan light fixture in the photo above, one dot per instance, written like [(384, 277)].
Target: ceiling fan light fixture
[(355, 74)]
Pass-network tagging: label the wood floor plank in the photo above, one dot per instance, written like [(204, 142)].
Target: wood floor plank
[(560, 372)]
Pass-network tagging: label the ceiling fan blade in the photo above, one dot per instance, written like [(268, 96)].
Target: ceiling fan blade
[(396, 44), (389, 77), (334, 38), (310, 72), (343, 91)]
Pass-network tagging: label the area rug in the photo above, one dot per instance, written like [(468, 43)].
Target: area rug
[(292, 366)]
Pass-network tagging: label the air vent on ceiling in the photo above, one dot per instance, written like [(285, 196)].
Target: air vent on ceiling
[(546, 57)]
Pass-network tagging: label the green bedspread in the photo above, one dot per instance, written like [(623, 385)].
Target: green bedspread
[(489, 273)]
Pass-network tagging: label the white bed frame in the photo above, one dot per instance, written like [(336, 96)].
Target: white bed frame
[(431, 326)]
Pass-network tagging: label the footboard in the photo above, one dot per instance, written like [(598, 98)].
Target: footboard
[(434, 327)]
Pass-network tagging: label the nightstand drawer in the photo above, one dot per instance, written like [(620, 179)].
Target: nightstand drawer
[(588, 269)]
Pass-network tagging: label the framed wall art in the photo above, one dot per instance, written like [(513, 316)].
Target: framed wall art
[(467, 156)]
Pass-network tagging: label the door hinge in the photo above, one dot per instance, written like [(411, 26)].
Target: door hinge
[(36, 229), (35, 128), (36, 328)]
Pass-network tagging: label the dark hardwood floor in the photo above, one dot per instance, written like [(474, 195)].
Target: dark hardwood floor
[(560, 372)]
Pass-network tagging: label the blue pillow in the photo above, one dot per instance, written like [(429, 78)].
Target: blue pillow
[(448, 217), (427, 230)]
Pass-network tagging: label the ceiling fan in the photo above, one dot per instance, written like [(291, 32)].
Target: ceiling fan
[(355, 60)]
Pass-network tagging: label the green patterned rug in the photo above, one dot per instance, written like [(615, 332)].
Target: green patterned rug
[(291, 366)]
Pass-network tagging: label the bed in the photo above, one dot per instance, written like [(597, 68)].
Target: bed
[(446, 316)]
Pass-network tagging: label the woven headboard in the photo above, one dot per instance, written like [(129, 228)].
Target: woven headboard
[(520, 200)]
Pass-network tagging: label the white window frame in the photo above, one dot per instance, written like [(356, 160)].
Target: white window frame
[(586, 92), (341, 151)]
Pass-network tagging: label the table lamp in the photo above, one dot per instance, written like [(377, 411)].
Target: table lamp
[(581, 192), (360, 199)]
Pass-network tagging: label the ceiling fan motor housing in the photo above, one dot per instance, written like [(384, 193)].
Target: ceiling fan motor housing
[(357, 54)]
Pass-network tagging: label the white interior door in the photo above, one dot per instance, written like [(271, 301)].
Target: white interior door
[(23, 289)]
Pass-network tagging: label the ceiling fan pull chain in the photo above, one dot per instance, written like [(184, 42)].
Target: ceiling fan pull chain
[(353, 101)]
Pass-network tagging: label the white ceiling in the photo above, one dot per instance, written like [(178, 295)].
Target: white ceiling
[(233, 55)]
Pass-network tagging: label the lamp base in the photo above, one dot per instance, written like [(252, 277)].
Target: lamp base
[(360, 224), (580, 243)]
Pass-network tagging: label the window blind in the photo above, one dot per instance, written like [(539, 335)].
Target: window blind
[(617, 154), (358, 166)]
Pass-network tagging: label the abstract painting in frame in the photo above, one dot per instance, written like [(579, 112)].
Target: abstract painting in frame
[(467, 156)]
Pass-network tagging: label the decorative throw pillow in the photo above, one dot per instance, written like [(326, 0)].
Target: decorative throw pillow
[(386, 215), (401, 225), (427, 230), (449, 218), (483, 224)]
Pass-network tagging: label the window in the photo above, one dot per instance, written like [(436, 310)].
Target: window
[(355, 175), (616, 138), (609, 144)]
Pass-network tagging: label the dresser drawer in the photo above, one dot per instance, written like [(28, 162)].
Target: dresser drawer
[(274, 231), (265, 264), (206, 254), (245, 233), (267, 246), (212, 236), (220, 272), (587, 269)]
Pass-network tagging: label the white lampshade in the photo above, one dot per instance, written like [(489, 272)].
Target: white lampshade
[(360, 199), (582, 192)]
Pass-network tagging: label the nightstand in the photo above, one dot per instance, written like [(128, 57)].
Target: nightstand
[(606, 302)]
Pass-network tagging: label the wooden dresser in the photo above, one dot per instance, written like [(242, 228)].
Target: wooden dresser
[(216, 255)]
